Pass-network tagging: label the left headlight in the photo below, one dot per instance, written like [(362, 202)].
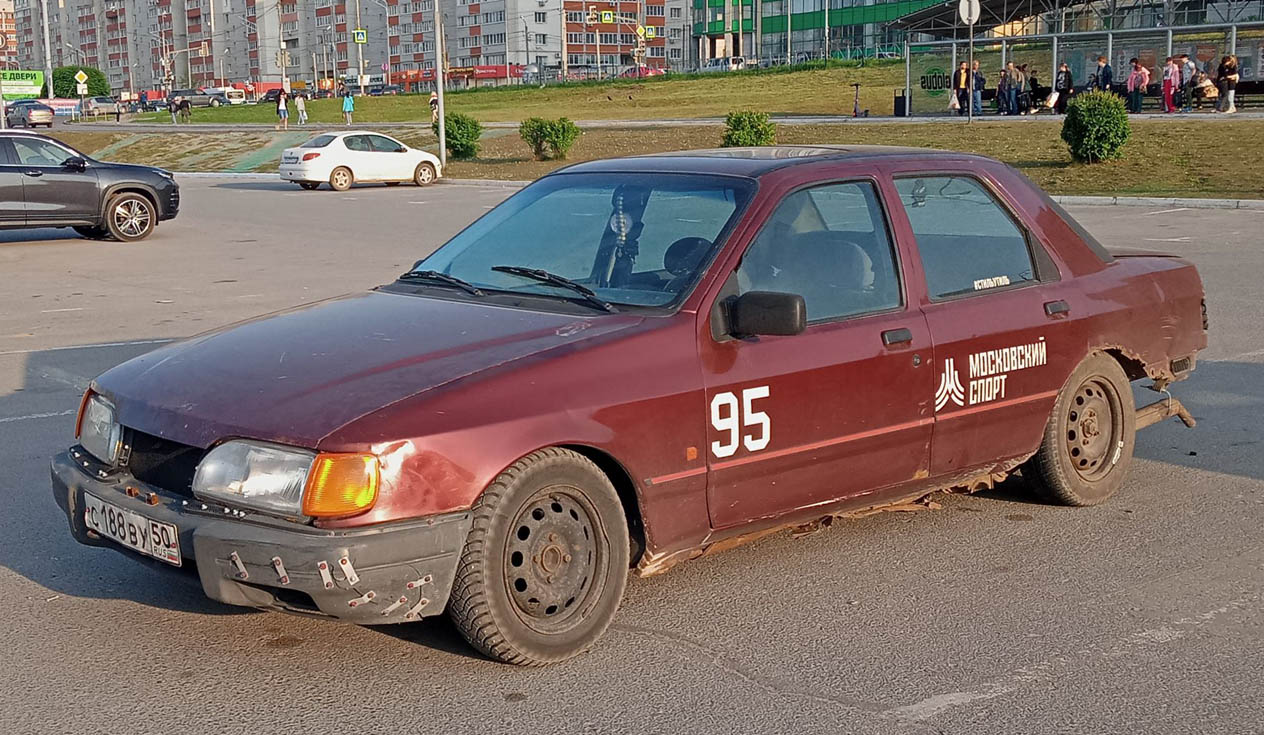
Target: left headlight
[(98, 429), (288, 481)]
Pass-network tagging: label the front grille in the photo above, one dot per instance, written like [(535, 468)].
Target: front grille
[(164, 464)]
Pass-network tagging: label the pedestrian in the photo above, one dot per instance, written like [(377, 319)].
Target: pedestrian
[(1038, 93), (1138, 81), (1105, 74), (1189, 70), (434, 108), (173, 106), (1002, 93), (300, 104), (283, 112), (348, 106), (1064, 85), (977, 83), (961, 88), (1011, 89), (1171, 80), (1227, 79), (1024, 96)]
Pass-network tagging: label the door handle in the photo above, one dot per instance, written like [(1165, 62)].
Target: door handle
[(901, 336), (1057, 308), (33, 172)]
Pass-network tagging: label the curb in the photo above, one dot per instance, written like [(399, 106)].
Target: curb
[(1183, 202)]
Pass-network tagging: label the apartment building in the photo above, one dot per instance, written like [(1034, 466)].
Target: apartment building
[(602, 36), (8, 55)]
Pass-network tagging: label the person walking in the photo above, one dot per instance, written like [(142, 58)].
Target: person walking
[(961, 87), (1002, 93), (300, 105), (1024, 96), (1171, 80), (1138, 81), (1012, 88), (173, 106), (977, 83), (1189, 72), (1064, 85), (348, 106), (1105, 74), (283, 112), (434, 108), (1227, 80)]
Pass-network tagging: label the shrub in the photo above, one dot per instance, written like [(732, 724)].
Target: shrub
[(1096, 127), (461, 133), (64, 84), (549, 138), (747, 129)]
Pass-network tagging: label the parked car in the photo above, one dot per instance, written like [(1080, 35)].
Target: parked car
[(388, 90), (199, 98), (629, 363), (641, 72), (343, 159), (723, 63), (101, 106), (49, 184), (28, 113)]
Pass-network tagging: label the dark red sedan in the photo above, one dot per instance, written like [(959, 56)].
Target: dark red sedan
[(624, 365)]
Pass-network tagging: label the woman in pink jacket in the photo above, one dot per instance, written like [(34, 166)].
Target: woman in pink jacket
[(1171, 81), (1138, 81)]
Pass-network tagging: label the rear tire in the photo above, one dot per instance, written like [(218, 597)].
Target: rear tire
[(341, 178), (1089, 438), (424, 175), (546, 562), (130, 217)]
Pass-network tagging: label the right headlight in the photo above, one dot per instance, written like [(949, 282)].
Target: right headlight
[(288, 481)]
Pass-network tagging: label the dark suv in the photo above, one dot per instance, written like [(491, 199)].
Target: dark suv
[(45, 183)]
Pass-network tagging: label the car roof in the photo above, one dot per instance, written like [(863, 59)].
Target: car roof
[(756, 161)]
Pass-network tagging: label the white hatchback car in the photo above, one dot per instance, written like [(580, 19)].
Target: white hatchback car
[(342, 159)]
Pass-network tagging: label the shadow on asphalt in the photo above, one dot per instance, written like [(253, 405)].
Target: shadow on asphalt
[(23, 237), (286, 186)]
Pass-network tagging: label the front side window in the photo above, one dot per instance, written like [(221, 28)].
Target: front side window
[(383, 144), (829, 244), (967, 240), (633, 239), (36, 152)]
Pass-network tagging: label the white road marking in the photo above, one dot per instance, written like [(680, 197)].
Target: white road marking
[(11, 419), (1167, 239), (89, 347), (416, 202), (1169, 211), (56, 311)]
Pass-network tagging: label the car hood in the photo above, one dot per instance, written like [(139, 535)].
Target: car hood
[(296, 376), (132, 168)]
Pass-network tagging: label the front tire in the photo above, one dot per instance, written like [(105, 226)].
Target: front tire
[(1089, 438), (130, 217), (546, 562), (341, 179), (424, 175)]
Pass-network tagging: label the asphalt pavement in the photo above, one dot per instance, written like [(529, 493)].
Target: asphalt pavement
[(994, 614)]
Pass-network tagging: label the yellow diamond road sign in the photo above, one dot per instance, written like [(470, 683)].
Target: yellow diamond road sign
[(640, 30), (80, 76)]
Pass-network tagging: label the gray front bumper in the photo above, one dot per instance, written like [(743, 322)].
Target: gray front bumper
[(392, 573)]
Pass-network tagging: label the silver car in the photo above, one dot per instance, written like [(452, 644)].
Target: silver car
[(101, 106), (28, 114)]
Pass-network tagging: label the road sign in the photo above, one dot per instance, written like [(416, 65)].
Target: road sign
[(640, 31), (607, 16), (969, 11), (649, 32), (360, 35), (81, 77), (4, 40), (81, 89)]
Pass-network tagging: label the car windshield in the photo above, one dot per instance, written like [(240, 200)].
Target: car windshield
[(319, 141), (633, 239)]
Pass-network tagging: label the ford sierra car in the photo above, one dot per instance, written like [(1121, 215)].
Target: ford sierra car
[(624, 365)]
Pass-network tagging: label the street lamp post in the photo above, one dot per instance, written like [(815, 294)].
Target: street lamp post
[(48, 49), (439, 77)]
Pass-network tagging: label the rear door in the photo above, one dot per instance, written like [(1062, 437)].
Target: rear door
[(12, 208), (840, 410), (994, 306), (360, 158), (54, 193)]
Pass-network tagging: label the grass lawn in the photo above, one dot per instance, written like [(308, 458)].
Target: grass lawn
[(793, 90), (1159, 160)]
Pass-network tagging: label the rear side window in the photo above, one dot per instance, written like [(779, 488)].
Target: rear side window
[(968, 242), (319, 141), (357, 143)]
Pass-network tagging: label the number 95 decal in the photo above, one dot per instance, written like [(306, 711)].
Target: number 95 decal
[(726, 417)]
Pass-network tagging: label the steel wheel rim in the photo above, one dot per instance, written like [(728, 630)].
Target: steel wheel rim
[(553, 556), (1094, 428), (131, 217), (341, 178)]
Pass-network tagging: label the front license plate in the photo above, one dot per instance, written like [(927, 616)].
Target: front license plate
[(136, 532)]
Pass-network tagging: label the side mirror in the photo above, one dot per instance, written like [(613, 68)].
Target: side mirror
[(402, 149), (75, 163), (767, 313)]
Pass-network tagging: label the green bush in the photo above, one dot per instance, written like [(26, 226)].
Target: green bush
[(549, 138), (748, 129), (64, 84), (1096, 127), (461, 133)]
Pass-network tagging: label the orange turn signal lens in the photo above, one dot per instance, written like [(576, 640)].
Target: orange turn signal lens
[(341, 485)]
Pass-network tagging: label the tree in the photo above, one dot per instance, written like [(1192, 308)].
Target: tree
[(64, 84)]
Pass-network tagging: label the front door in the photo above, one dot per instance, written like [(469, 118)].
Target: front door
[(390, 163), (840, 410), (997, 317), (54, 193)]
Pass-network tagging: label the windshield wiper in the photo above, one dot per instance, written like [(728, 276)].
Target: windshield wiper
[(553, 279), (437, 277)]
